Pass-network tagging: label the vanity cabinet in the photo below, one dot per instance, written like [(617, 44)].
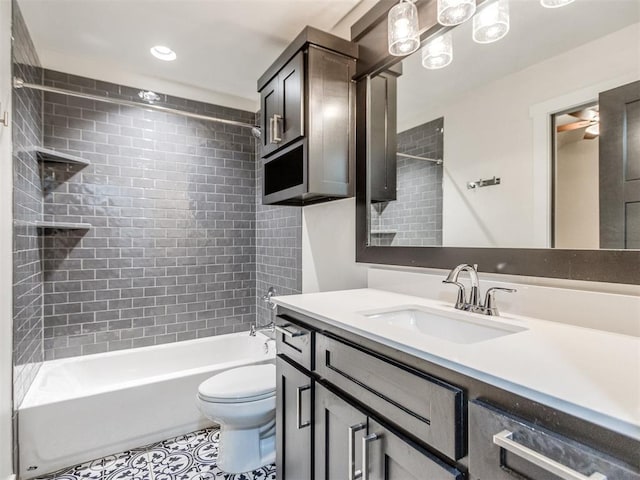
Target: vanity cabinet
[(350, 444), (294, 396), (294, 400), (504, 447), (307, 117), (339, 429), (424, 406), (376, 412)]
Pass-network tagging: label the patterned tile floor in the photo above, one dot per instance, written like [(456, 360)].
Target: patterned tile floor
[(188, 457)]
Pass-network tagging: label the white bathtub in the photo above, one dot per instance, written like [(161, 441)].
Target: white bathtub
[(83, 408)]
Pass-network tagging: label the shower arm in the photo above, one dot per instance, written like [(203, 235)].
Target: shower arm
[(19, 83)]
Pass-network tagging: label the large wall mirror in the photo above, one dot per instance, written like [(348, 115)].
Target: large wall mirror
[(522, 155)]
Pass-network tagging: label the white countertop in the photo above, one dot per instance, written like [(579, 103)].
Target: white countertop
[(591, 374)]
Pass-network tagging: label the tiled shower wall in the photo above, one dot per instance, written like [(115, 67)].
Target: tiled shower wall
[(170, 254), (278, 247), (27, 207), (415, 217)]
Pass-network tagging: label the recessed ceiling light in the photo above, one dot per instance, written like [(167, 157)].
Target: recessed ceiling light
[(555, 3), (163, 53)]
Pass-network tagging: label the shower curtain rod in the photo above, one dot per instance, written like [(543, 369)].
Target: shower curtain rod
[(437, 161), (19, 83)]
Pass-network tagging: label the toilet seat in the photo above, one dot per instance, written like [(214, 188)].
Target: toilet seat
[(239, 385)]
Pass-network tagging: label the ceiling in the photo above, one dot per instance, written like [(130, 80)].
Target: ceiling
[(223, 46)]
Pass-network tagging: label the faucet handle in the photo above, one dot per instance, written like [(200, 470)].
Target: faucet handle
[(490, 301), (460, 301)]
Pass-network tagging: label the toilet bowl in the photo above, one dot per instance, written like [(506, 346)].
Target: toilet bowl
[(243, 401)]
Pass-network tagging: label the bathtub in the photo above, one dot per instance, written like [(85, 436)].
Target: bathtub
[(83, 408)]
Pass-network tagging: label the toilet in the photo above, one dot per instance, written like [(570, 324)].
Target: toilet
[(243, 401)]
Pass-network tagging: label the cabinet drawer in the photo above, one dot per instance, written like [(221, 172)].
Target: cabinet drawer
[(502, 447), (422, 405), (295, 341)]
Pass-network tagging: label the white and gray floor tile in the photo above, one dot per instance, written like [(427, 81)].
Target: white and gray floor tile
[(188, 457)]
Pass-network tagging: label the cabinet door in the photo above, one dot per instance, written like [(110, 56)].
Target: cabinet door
[(338, 431), (294, 400), (382, 144), (387, 456), (269, 109), (290, 125)]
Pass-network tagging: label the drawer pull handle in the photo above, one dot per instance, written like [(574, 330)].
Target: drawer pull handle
[(365, 453), (353, 473), (299, 391), (504, 439), (293, 333)]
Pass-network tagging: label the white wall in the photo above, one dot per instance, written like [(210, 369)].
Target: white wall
[(489, 131), (6, 242), (577, 219), (329, 248), (604, 306)]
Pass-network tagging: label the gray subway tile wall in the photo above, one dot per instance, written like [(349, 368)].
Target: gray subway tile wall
[(415, 217), (27, 209), (278, 247), (171, 252)]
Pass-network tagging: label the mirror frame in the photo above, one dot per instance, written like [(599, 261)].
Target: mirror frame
[(613, 266)]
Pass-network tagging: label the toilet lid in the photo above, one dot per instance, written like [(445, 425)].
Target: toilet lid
[(243, 384)]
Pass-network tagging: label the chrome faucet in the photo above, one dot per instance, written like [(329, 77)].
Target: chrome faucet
[(473, 276), (472, 304), (271, 327)]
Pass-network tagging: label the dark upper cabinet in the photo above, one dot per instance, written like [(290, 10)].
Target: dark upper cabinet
[(382, 144), (307, 117), (282, 108)]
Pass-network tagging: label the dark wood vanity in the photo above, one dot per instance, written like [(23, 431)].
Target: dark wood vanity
[(349, 407)]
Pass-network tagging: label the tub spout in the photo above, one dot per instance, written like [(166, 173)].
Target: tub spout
[(271, 326)]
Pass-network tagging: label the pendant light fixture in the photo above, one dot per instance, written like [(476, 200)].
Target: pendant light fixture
[(402, 29), (438, 52), (492, 22), (555, 3), (455, 12)]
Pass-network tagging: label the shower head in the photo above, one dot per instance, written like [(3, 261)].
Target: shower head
[(149, 96), (256, 132)]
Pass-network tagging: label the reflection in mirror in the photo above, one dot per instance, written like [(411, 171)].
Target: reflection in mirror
[(576, 218), (496, 169), (415, 217)]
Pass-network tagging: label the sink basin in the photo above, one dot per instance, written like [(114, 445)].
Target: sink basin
[(456, 327)]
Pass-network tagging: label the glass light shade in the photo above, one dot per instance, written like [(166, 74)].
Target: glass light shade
[(555, 3), (593, 129), (402, 29), (438, 53), (455, 12), (492, 22)]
